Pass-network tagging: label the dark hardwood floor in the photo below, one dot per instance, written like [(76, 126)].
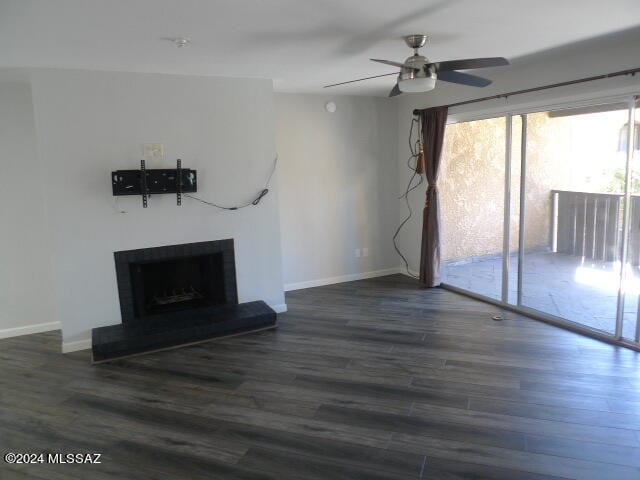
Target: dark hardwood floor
[(375, 379)]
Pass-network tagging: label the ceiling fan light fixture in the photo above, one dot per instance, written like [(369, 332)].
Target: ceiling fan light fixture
[(417, 84)]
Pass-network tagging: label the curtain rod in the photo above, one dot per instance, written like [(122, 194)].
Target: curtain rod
[(620, 73)]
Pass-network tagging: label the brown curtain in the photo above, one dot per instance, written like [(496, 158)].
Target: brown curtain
[(433, 124)]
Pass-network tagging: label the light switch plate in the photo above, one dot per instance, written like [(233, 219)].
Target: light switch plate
[(153, 151)]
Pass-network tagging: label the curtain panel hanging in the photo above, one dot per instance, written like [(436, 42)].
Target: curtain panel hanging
[(433, 121)]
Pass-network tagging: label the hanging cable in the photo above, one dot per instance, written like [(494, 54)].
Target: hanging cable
[(253, 202), (414, 148)]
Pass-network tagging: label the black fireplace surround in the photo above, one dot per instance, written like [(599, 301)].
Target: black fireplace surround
[(175, 295), (142, 274)]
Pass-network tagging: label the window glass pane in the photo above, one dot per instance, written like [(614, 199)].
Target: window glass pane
[(471, 189), (573, 206)]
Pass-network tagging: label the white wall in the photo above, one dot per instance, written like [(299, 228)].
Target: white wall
[(90, 123), (338, 180), (597, 56), (26, 298)]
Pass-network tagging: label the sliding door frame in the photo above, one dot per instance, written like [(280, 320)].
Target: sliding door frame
[(624, 248), (506, 235), (522, 215), (615, 338)]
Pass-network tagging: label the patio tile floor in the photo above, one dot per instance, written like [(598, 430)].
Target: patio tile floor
[(582, 291)]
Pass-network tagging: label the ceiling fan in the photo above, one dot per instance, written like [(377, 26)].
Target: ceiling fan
[(417, 74)]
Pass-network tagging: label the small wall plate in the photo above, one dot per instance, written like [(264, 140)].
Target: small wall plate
[(153, 151)]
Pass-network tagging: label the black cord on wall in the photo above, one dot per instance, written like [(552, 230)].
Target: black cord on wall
[(253, 202), (414, 149)]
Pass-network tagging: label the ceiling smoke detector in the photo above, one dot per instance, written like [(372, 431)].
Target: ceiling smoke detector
[(181, 42)]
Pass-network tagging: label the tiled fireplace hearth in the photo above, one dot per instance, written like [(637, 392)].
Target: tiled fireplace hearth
[(176, 295)]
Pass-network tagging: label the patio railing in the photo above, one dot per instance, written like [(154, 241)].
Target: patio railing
[(589, 225)]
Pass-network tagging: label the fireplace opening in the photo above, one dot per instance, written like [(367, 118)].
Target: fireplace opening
[(176, 295), (176, 284)]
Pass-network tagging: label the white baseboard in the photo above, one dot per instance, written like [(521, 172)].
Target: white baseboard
[(280, 308), (29, 329), (68, 347), (342, 278)]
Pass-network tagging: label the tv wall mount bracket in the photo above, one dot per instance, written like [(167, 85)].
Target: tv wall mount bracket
[(147, 182)]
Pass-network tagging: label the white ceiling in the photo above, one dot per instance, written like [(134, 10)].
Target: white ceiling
[(301, 44)]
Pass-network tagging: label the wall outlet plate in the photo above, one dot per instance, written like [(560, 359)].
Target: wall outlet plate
[(356, 253), (153, 151)]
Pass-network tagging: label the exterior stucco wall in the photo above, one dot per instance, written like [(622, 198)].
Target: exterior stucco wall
[(471, 188)]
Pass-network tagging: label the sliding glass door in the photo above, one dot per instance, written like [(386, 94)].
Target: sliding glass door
[(573, 199), (542, 211)]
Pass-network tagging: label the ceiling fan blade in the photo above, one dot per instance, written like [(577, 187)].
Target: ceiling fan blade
[(395, 91), (360, 79), (470, 63), (395, 64), (463, 79)]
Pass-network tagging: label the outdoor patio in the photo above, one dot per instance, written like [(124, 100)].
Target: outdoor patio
[(583, 291)]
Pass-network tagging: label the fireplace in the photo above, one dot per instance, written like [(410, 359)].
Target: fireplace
[(177, 284), (176, 295), (176, 281)]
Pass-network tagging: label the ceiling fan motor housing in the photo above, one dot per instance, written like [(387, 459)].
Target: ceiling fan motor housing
[(420, 80)]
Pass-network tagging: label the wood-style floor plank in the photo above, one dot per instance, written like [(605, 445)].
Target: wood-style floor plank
[(374, 379)]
